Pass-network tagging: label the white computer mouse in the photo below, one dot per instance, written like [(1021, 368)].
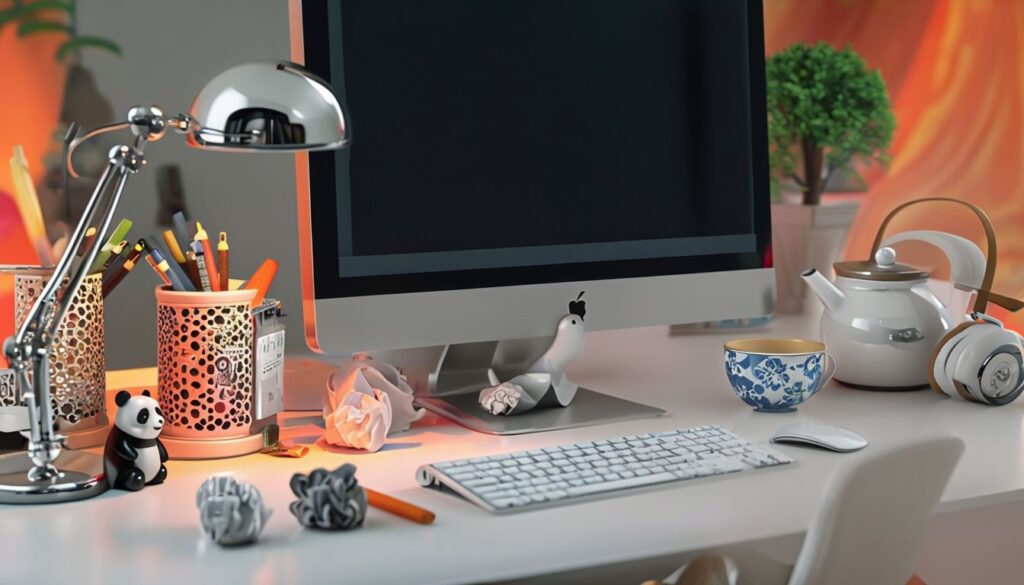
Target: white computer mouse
[(819, 435)]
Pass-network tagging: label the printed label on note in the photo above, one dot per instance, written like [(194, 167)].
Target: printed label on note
[(269, 374)]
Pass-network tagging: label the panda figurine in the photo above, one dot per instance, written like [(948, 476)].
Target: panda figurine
[(133, 456)]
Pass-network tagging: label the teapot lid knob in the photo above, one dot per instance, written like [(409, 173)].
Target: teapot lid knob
[(885, 257)]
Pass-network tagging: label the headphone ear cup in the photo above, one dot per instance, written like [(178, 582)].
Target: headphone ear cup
[(994, 366), (938, 373)]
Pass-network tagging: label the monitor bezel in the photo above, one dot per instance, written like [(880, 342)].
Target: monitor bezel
[(329, 284)]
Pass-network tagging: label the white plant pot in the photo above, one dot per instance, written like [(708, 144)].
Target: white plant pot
[(806, 236)]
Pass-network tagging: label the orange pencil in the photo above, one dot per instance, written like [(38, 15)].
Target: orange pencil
[(211, 265), (398, 507), (261, 279)]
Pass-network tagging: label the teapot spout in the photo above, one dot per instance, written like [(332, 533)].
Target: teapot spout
[(827, 292)]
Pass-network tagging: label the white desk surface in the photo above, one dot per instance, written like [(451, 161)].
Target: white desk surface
[(153, 536)]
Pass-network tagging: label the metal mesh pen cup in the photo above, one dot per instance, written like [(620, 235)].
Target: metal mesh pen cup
[(204, 363), (77, 364)]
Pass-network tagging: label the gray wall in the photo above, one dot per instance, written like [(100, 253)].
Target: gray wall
[(170, 50)]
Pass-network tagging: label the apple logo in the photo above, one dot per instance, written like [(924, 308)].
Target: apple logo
[(578, 307)]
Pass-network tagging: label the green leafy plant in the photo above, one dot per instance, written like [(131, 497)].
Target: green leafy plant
[(54, 17), (826, 108)]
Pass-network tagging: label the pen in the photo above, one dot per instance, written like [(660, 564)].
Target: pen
[(398, 507), (222, 259), (211, 263), (261, 279), (90, 237), (118, 234), (181, 231), (114, 276), (173, 247), (156, 266), (179, 278), (204, 273), (115, 255), (193, 270)]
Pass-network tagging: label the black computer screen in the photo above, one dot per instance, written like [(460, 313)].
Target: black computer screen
[(527, 135)]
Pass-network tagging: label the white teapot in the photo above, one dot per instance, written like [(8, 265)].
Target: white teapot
[(882, 320)]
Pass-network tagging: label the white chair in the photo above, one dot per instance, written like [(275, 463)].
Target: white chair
[(867, 529)]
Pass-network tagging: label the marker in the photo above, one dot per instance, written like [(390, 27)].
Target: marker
[(222, 259), (181, 230), (115, 238), (204, 272), (211, 263), (261, 280), (115, 275), (156, 267), (173, 247)]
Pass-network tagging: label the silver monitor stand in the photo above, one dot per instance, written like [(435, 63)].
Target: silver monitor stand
[(447, 380)]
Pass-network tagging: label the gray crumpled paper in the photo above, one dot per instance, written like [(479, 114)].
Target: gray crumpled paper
[(230, 512), (329, 500)]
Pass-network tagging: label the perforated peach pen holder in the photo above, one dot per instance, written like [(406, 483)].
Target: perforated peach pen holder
[(77, 365), (206, 374)]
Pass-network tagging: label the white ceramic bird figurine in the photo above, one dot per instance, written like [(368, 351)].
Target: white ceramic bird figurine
[(544, 382)]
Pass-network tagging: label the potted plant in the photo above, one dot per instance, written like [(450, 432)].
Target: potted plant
[(827, 114)]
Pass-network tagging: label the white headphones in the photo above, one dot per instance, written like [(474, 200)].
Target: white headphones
[(980, 360)]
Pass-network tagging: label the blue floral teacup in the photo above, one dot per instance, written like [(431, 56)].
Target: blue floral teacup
[(775, 375)]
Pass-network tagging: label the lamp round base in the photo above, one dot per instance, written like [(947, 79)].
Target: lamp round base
[(81, 477), (179, 448)]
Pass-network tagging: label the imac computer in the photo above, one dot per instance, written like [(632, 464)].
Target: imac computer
[(507, 156)]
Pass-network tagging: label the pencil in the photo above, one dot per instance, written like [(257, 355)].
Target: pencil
[(90, 237), (210, 258), (398, 507), (193, 270), (115, 275), (173, 247), (27, 200), (222, 260)]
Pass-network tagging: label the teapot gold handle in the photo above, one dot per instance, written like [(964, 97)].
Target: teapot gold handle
[(985, 293)]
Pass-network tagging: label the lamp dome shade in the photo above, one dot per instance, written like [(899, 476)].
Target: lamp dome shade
[(267, 105)]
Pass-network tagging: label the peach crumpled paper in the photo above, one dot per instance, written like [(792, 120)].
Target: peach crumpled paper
[(360, 413)]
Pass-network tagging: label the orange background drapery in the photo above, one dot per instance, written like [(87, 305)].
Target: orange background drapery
[(955, 71)]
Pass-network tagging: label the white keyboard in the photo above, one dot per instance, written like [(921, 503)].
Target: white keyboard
[(564, 474)]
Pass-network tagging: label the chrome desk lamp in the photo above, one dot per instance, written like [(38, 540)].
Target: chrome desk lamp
[(259, 106)]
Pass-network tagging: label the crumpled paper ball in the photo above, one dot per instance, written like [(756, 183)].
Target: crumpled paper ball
[(329, 500), (358, 416), (230, 512), (386, 378), (501, 399)]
